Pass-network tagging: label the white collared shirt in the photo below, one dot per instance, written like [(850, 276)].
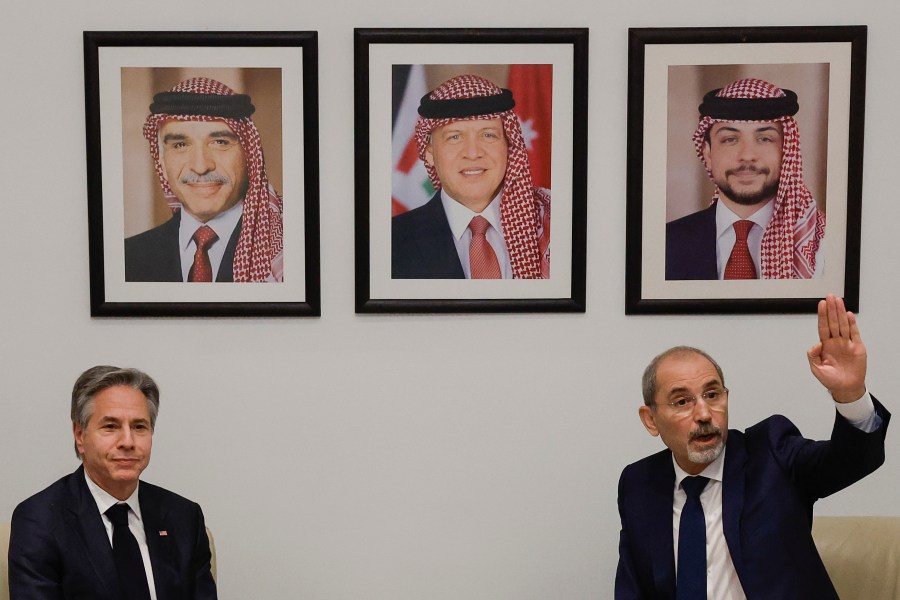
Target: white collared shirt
[(722, 581), (459, 218), (725, 236), (223, 224), (135, 523)]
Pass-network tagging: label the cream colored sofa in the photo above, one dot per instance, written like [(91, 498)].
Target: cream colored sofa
[(862, 555), (4, 563)]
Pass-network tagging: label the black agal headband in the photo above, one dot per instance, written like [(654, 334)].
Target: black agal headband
[(236, 106), (459, 108), (749, 109)]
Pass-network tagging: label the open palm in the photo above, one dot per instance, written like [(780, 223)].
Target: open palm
[(838, 360)]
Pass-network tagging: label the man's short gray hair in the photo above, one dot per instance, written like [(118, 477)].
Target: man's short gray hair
[(102, 377), (648, 381)]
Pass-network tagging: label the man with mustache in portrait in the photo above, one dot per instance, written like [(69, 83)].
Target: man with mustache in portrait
[(727, 514), (227, 219), (763, 222)]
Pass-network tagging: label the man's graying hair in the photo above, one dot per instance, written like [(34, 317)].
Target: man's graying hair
[(102, 377), (648, 382)]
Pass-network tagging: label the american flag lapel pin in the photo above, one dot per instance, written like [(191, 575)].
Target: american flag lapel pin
[(163, 533)]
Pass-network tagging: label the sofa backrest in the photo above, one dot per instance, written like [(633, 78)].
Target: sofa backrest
[(862, 555)]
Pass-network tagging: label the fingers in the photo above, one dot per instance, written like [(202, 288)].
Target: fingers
[(834, 325), (854, 328), (843, 319), (835, 320), (824, 332)]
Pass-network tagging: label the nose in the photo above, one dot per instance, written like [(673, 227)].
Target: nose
[(126, 439), (200, 161), (746, 150), (472, 147), (701, 410)]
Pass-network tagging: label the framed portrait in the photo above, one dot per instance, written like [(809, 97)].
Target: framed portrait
[(745, 156), (203, 176), (464, 140)]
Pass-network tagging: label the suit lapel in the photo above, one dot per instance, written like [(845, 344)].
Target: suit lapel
[(153, 514), (168, 263), (85, 520), (733, 481), (435, 239), (226, 267), (660, 485), (705, 257)]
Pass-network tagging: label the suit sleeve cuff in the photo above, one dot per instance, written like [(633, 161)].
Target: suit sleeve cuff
[(860, 413)]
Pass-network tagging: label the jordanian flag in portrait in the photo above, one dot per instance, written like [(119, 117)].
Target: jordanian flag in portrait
[(532, 88)]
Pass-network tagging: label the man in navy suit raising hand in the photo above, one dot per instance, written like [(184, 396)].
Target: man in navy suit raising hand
[(727, 514)]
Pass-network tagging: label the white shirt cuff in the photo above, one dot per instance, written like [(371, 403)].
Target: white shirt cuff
[(860, 413)]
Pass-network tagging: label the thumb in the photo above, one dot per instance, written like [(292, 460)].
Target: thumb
[(814, 354)]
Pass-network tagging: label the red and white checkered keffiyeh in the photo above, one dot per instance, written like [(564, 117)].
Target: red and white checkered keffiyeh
[(793, 236), (524, 208), (259, 253)]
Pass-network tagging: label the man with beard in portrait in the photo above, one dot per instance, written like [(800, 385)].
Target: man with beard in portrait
[(763, 222)]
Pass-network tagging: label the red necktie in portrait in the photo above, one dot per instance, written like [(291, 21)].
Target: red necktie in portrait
[(201, 270), (740, 264), (482, 259)]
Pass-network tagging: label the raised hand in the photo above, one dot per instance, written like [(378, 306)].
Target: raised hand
[(838, 360)]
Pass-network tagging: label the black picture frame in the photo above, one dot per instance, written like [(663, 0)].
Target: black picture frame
[(377, 52), (288, 58), (657, 57)]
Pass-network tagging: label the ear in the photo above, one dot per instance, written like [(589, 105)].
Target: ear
[(429, 156), (79, 438), (705, 151), (648, 418)]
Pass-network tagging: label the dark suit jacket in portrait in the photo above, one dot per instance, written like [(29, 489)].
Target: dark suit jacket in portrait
[(59, 548), (154, 256), (691, 246), (771, 478), (422, 244)]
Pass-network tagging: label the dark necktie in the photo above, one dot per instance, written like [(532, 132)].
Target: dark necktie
[(127, 556), (740, 264), (201, 270), (483, 261), (691, 578)]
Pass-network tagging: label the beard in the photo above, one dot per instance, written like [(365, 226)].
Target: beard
[(707, 455), (704, 457), (749, 197)]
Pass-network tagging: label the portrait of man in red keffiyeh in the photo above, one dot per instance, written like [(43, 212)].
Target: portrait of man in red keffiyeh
[(226, 223), (487, 219), (762, 222)]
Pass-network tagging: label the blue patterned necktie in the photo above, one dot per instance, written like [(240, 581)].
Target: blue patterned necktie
[(691, 578)]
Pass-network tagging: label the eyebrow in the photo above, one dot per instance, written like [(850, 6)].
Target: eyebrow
[(757, 130), (180, 137), (227, 133), (684, 390), (449, 128), (111, 419)]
